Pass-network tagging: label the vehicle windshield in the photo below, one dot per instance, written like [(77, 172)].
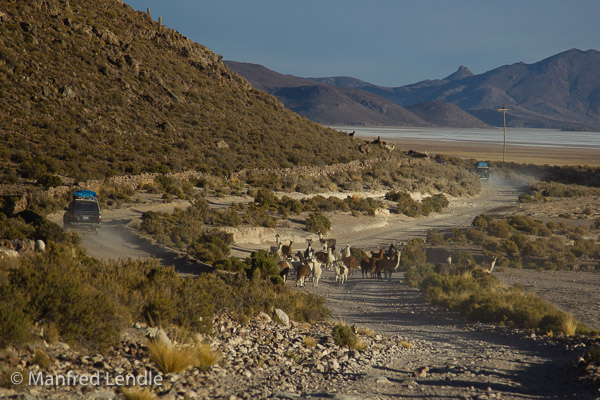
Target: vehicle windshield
[(86, 206)]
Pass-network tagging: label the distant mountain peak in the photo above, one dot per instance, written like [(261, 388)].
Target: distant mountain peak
[(461, 73)]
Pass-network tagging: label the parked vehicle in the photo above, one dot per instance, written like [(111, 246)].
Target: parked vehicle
[(83, 211)]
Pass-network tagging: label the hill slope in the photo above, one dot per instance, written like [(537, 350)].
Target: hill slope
[(91, 89)]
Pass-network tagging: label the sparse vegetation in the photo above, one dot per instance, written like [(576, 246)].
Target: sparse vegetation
[(412, 208), (187, 110), (483, 298), (90, 301), (522, 241)]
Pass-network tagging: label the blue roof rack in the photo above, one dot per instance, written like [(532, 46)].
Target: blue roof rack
[(84, 194)]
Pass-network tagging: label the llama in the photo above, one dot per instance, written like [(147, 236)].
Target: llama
[(316, 272), (368, 264), (284, 269), (444, 268), (387, 266), (483, 268), (392, 250), (326, 258), (302, 273), (349, 260), (341, 272), (328, 243), (286, 251), (309, 252)]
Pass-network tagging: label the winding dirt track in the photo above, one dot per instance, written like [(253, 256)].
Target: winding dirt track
[(465, 360)]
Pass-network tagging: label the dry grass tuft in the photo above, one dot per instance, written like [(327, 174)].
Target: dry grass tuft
[(309, 341), (366, 332), (344, 336), (169, 357), (205, 356), (138, 394), (173, 358)]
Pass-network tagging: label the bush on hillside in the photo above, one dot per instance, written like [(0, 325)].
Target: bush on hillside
[(211, 246), (317, 222)]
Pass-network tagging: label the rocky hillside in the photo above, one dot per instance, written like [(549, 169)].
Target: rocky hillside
[(562, 91), (93, 89)]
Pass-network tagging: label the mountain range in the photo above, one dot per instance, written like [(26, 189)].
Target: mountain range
[(343, 101), (562, 92)]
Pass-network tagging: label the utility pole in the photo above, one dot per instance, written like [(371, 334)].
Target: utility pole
[(503, 110)]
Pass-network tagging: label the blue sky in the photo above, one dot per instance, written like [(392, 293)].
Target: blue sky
[(385, 42)]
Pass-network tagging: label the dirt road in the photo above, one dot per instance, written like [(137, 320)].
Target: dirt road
[(463, 359)]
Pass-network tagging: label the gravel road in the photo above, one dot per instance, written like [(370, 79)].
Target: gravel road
[(463, 359)]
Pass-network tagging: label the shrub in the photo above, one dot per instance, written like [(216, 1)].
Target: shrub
[(266, 198), (483, 298), (49, 181), (344, 336), (491, 244), (414, 253), (499, 228), (434, 237), (510, 247), (15, 323), (227, 217), (258, 216), (293, 205), (476, 235), (520, 240), (558, 322), (41, 358), (317, 222), (211, 246), (529, 225), (437, 202), (113, 194), (462, 259), (359, 254), (482, 221), (262, 265), (58, 290), (232, 264), (309, 341)]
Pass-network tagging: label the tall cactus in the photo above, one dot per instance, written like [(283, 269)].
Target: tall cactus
[(159, 24)]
